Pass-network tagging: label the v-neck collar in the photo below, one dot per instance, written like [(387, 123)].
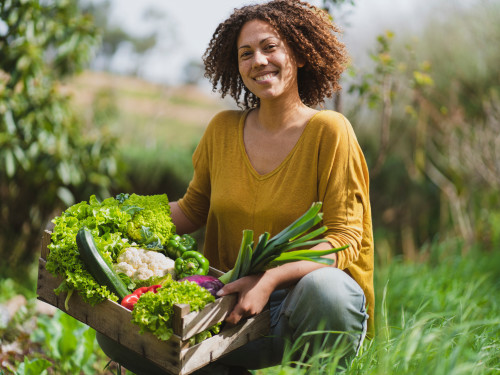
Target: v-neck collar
[(283, 163)]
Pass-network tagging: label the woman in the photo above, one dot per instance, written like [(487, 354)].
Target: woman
[(262, 167)]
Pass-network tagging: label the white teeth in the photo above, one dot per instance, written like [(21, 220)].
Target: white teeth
[(265, 77)]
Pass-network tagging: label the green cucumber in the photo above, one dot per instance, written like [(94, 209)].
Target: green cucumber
[(98, 266)]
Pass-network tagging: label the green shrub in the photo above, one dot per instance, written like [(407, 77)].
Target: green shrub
[(48, 160), (159, 170)]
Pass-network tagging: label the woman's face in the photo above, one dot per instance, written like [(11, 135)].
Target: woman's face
[(267, 65)]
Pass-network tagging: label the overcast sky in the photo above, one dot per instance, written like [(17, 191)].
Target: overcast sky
[(192, 23)]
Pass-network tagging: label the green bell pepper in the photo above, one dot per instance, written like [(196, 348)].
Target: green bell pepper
[(177, 245), (191, 263)]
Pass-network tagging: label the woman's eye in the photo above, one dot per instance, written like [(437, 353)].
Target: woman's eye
[(270, 47)]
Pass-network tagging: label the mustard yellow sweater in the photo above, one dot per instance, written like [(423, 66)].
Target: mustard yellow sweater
[(327, 164)]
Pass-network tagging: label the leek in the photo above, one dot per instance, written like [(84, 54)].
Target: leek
[(272, 252)]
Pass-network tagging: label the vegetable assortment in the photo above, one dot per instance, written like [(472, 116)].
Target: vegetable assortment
[(122, 249), (125, 249), (110, 222)]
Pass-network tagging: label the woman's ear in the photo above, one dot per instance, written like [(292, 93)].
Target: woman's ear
[(301, 62)]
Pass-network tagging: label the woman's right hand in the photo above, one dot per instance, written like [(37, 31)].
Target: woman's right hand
[(253, 294)]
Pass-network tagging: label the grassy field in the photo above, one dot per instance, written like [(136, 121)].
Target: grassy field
[(438, 317), (142, 114)]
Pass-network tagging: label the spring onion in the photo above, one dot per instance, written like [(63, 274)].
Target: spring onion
[(275, 251)]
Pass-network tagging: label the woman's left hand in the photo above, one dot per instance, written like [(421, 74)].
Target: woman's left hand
[(253, 295)]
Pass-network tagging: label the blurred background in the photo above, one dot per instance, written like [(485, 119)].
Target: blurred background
[(106, 96)]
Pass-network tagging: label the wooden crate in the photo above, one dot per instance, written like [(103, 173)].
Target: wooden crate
[(175, 356)]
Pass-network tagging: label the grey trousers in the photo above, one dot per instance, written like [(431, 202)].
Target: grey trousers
[(326, 309)]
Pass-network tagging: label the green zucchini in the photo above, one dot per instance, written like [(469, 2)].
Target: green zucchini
[(98, 266)]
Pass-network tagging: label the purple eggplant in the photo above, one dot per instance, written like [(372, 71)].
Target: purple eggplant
[(210, 283)]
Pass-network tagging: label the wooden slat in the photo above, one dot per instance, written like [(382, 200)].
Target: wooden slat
[(229, 339), (45, 243), (215, 272), (213, 313), (180, 311)]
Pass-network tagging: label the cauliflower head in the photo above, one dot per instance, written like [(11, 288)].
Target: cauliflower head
[(155, 215), (141, 264)]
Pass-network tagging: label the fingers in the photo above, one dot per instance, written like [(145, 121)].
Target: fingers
[(235, 316), (239, 313), (230, 288), (225, 290)]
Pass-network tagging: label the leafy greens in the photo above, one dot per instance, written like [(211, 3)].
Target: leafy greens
[(107, 222), (153, 311)]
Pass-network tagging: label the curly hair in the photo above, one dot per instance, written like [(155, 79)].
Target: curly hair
[(308, 31)]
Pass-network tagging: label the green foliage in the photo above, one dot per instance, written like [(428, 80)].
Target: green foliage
[(166, 169), (435, 317), (45, 159), (37, 366), (71, 345), (429, 130)]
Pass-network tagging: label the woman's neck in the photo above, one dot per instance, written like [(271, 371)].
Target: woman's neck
[(276, 116)]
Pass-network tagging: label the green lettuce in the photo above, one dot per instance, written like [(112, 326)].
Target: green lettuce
[(153, 311), (107, 222)]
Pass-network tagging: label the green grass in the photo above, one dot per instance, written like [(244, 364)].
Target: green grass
[(190, 102), (136, 130), (439, 317), (159, 170)]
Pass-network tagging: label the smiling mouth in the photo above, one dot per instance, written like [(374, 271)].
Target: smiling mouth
[(265, 77)]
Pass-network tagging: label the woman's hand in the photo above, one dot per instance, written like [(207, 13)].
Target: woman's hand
[(254, 290), (253, 294)]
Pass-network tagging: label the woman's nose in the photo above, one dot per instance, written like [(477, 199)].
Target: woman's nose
[(259, 59)]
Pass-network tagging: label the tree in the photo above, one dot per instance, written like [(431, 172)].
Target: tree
[(115, 36), (432, 132), (46, 161)]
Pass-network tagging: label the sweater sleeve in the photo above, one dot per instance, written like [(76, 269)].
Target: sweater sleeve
[(343, 188)]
